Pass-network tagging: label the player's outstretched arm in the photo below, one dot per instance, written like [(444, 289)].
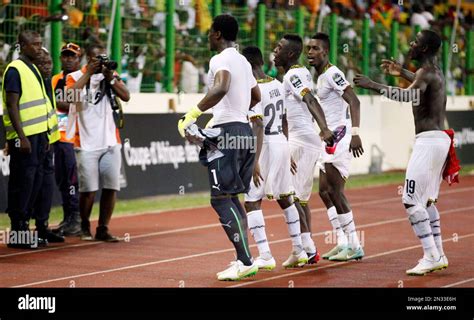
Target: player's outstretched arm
[(394, 68), (354, 105), (410, 94), (213, 96), (318, 115)]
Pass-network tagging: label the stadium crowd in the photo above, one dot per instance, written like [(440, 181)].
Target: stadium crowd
[(143, 25)]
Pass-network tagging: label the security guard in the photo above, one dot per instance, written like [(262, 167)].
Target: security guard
[(31, 125)]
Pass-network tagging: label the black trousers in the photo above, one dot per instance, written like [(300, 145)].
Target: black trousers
[(65, 168), (26, 177), (44, 198)]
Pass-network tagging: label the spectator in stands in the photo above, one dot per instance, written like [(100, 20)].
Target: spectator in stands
[(189, 82), (418, 18), (135, 75)]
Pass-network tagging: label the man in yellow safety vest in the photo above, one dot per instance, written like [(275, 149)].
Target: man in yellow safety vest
[(31, 125)]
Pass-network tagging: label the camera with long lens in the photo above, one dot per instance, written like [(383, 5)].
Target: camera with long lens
[(106, 62)]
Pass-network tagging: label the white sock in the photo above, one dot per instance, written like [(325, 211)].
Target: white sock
[(347, 224), (420, 222), (292, 219), (435, 224), (257, 229), (308, 243), (341, 237)]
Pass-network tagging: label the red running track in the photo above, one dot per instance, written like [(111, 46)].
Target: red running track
[(186, 248)]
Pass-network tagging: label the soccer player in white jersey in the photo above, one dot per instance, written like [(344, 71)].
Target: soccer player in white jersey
[(271, 175), (342, 110), (233, 90), (305, 145)]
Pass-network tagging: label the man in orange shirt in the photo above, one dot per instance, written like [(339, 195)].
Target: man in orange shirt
[(64, 157)]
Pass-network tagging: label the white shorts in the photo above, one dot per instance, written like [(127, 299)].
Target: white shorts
[(341, 159), (305, 159), (99, 166), (275, 169), (425, 168)]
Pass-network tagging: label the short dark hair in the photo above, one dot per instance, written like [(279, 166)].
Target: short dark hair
[(227, 25), (25, 35), (296, 43), (432, 40), (253, 55), (324, 37), (93, 46)]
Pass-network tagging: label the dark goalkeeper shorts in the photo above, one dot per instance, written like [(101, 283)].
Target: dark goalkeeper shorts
[(231, 173)]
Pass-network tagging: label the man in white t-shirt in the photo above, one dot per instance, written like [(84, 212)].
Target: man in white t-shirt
[(232, 92), (98, 143), (271, 175), (305, 145), (337, 98)]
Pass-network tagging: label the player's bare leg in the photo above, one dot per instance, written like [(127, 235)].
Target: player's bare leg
[(86, 202), (353, 250)]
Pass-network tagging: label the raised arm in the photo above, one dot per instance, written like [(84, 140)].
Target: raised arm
[(412, 93), (118, 86), (394, 68)]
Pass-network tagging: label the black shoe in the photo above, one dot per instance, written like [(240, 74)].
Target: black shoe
[(102, 234), (60, 226), (50, 236), (21, 237), (86, 235), (30, 245), (73, 226)]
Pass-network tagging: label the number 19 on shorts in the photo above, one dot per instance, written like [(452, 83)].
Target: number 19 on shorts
[(410, 186)]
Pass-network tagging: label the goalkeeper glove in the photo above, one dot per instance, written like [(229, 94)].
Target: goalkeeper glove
[(188, 119)]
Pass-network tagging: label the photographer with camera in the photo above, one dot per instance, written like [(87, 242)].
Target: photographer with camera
[(98, 143)]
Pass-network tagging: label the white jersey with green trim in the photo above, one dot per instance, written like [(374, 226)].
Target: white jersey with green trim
[(271, 109)]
